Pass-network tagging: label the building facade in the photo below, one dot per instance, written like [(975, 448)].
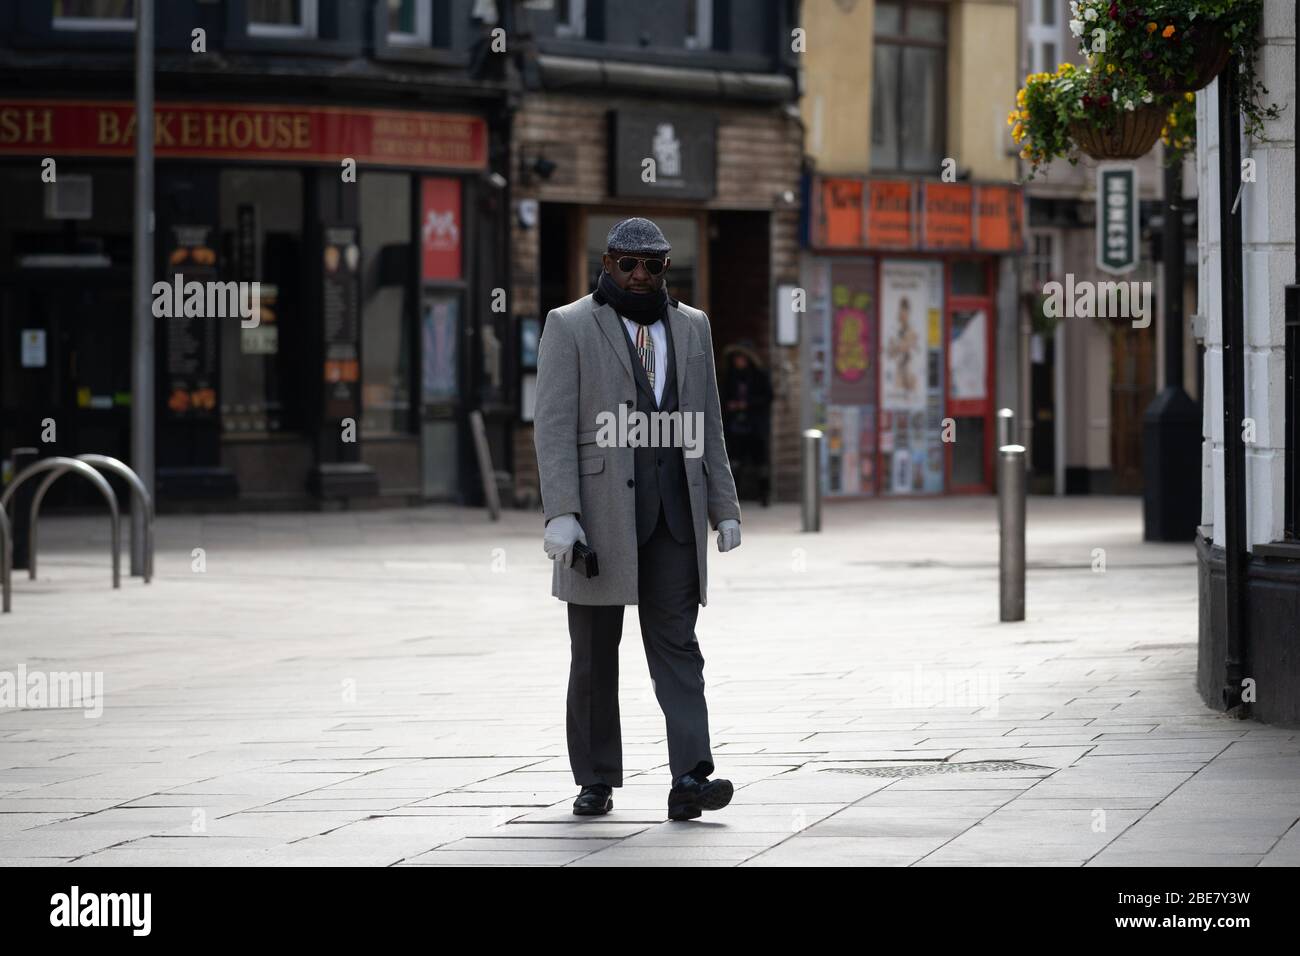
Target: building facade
[(1248, 547), (373, 339), (681, 112), (1086, 382), (913, 225)]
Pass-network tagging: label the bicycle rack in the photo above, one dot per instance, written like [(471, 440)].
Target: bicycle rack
[(59, 466), (142, 500)]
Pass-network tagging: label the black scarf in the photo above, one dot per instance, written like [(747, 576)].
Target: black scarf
[(643, 308)]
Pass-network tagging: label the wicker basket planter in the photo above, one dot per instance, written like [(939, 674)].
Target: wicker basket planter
[(1132, 135), (1212, 53)]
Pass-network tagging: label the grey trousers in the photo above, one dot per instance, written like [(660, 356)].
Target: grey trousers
[(668, 603)]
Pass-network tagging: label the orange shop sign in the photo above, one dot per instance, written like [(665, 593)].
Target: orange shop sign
[(916, 215)]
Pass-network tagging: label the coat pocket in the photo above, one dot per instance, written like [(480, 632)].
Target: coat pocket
[(592, 465), (587, 438)]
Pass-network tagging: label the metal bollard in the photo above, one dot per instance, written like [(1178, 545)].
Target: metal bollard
[(1006, 427), (1011, 532), (812, 480)]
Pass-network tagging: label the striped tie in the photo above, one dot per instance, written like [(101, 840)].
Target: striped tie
[(645, 349)]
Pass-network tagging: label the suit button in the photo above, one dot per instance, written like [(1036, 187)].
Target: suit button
[(631, 483), (628, 402)]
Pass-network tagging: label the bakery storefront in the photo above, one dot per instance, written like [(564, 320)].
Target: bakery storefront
[(349, 384), (899, 343)]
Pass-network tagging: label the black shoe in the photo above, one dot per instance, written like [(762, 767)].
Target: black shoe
[(595, 798), (693, 792)]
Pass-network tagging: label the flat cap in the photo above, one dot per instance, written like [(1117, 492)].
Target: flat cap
[(637, 235)]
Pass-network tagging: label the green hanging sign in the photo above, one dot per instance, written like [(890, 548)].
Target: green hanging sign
[(1117, 217)]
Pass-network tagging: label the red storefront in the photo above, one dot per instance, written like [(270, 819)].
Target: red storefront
[(902, 292)]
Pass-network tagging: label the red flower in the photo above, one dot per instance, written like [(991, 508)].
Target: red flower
[(1114, 11), (1104, 101)]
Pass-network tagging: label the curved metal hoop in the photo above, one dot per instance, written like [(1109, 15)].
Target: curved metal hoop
[(59, 466), (142, 501)]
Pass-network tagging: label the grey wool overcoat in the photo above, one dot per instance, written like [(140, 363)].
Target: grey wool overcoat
[(583, 369)]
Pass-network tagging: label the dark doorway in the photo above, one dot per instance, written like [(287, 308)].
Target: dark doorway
[(740, 309), (77, 382)]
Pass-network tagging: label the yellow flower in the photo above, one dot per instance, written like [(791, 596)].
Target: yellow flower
[(1020, 98), (1168, 31), (1017, 132), (1190, 97), (1173, 119), (1024, 153), (1152, 27), (1164, 131), (1110, 67)]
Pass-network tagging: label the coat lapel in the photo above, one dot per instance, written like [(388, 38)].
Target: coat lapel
[(680, 327), (612, 327)]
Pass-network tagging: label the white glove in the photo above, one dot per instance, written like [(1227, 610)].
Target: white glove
[(561, 532), (728, 534)]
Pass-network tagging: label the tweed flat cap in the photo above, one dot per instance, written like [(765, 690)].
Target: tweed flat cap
[(637, 235)]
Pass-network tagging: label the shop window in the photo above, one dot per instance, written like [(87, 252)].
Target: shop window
[(571, 19), (969, 277), (1042, 258), (911, 377), (282, 18), (699, 24), (908, 92), (682, 233), (410, 22), (94, 14), (386, 288), (262, 369)]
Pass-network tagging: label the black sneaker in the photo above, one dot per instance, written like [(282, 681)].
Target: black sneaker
[(594, 799)]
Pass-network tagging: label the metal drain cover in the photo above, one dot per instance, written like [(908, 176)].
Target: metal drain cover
[(923, 769)]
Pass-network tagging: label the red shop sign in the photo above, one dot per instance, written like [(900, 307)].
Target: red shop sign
[(247, 131), (440, 228)]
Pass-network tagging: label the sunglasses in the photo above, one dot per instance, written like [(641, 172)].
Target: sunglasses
[(628, 264)]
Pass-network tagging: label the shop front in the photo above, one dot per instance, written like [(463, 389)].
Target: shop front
[(348, 225), (901, 279), (728, 212)]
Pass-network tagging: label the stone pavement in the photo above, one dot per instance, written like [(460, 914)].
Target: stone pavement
[(388, 687)]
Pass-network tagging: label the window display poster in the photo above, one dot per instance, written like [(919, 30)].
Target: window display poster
[(967, 354), (439, 318), (852, 333), (904, 322), (911, 362)]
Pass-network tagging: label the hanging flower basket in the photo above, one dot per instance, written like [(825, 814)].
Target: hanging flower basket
[(1131, 134), (1212, 51)]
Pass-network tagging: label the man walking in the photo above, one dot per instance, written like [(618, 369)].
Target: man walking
[(644, 508)]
